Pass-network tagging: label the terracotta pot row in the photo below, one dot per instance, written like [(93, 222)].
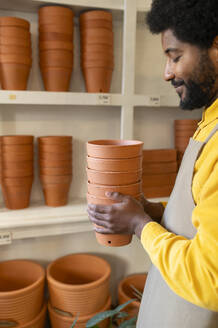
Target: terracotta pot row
[(15, 53), (56, 29), (184, 130), (113, 165), (22, 293), (97, 59)]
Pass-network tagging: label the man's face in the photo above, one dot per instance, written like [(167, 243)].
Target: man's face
[(190, 70)]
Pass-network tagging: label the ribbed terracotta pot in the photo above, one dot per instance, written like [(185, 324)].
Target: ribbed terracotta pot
[(114, 148), (56, 79), (14, 76), (87, 56), (154, 192), (107, 64), (85, 40), (159, 155), (55, 45), (56, 58), (55, 140), (55, 19), (55, 10), (14, 21), (17, 148), (17, 139), (65, 27), (56, 194), (97, 32), (96, 23), (55, 36), (21, 291), (17, 156), (55, 164), (27, 165), (60, 321), (98, 80), (96, 14), (55, 171), (25, 51), (159, 168), (89, 48), (55, 148), (56, 179), (17, 182), (100, 190), (16, 173), (113, 178), (75, 289), (126, 292), (14, 32), (115, 165), (15, 41), (16, 197)]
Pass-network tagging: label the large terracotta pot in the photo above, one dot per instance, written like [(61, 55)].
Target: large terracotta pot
[(75, 289), (113, 178), (114, 148), (159, 155), (56, 79), (96, 15), (99, 190), (55, 45), (14, 76), (126, 292), (98, 80), (21, 291), (55, 10), (115, 165), (55, 140), (14, 21), (56, 194), (60, 321)]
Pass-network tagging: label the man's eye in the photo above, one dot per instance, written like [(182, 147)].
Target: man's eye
[(176, 59)]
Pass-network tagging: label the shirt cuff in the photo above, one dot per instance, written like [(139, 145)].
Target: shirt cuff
[(150, 232)]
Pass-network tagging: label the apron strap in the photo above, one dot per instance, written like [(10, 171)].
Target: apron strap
[(211, 134)]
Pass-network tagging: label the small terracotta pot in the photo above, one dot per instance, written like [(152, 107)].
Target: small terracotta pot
[(158, 180), (106, 64), (113, 178), (96, 32), (15, 41), (16, 197), (93, 56), (17, 148), (75, 289), (17, 139), (60, 321), (55, 36), (98, 80), (55, 164), (126, 293), (88, 48), (55, 57), (25, 51), (56, 79), (159, 155), (55, 45), (55, 148), (18, 182), (99, 190), (15, 59), (15, 21), (26, 165), (96, 14), (55, 156), (21, 291), (115, 165), (55, 19), (56, 194), (86, 40), (113, 240), (55, 171), (17, 157), (17, 173), (56, 179), (114, 148), (14, 76), (55, 10), (14, 32), (96, 23), (154, 192), (55, 140), (65, 27), (159, 168)]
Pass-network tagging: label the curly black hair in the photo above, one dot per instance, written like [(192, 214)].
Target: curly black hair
[(192, 21)]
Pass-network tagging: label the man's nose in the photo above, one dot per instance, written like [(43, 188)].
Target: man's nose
[(168, 72)]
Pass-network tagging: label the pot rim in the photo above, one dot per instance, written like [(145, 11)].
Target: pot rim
[(114, 143)]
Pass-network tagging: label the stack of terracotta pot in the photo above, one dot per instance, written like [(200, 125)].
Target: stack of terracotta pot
[(22, 294), (184, 130), (131, 287), (115, 166), (78, 287), (56, 46), (15, 53), (55, 168), (159, 172), (16, 170), (97, 59)]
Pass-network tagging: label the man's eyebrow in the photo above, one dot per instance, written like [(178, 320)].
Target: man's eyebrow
[(171, 50)]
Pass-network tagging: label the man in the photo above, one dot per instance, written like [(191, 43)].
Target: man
[(182, 285)]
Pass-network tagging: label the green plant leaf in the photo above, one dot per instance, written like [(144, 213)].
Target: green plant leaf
[(74, 322), (128, 323), (121, 315), (122, 306)]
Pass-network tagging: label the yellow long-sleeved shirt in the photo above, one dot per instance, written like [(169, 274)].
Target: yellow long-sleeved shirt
[(190, 267)]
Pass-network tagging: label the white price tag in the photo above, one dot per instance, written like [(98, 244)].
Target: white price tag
[(104, 99), (154, 101), (12, 96), (5, 238)]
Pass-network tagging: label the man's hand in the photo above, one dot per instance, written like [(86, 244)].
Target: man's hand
[(154, 210), (127, 216)]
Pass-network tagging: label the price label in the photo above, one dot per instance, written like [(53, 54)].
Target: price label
[(12, 97), (104, 99), (5, 238), (154, 101)]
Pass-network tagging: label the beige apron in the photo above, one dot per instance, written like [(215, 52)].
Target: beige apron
[(160, 306)]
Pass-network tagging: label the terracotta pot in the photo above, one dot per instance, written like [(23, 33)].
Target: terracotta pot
[(21, 291), (15, 59), (185, 128), (114, 148), (56, 57), (17, 173), (115, 165), (181, 133), (75, 289), (55, 171), (159, 168), (99, 190), (158, 180), (15, 41), (55, 45), (55, 164), (14, 76), (159, 155), (90, 57), (25, 51), (56, 194), (14, 32), (55, 36), (26, 165), (55, 140), (16, 197), (17, 157), (56, 63), (113, 178), (56, 179), (96, 32), (65, 27), (17, 139), (15, 21), (186, 122), (96, 23), (55, 148), (106, 64), (98, 80), (55, 156), (39, 321), (154, 192), (126, 293), (18, 182), (55, 19), (55, 10), (17, 148), (88, 48), (112, 240), (86, 40), (96, 14), (56, 79), (61, 321)]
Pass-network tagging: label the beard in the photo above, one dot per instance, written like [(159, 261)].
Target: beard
[(200, 86)]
